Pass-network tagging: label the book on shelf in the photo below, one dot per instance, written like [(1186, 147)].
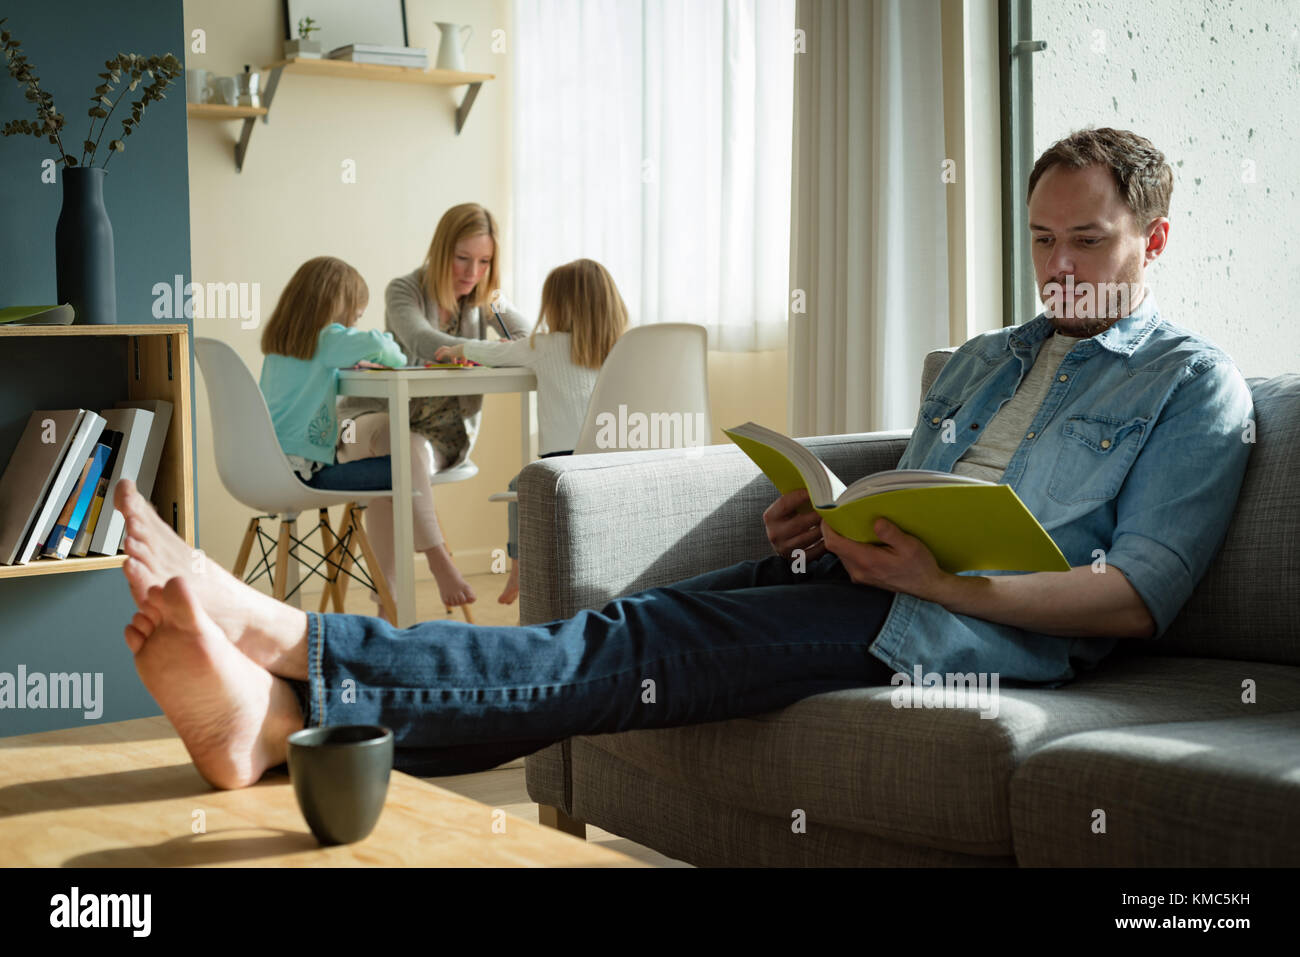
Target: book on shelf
[(67, 475), (113, 439), (417, 57), (30, 473), (56, 491), (162, 417), (137, 428), (968, 524), (75, 509)]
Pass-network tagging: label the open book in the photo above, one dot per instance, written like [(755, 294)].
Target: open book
[(968, 524)]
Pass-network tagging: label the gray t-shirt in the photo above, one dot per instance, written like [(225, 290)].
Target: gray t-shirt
[(987, 459), (451, 423)]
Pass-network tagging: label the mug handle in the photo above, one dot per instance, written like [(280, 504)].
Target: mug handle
[(467, 38)]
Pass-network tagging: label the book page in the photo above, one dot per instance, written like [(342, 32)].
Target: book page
[(823, 485), (895, 479)]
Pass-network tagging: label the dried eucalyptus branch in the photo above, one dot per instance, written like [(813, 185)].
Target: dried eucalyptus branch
[(51, 121), (159, 71)]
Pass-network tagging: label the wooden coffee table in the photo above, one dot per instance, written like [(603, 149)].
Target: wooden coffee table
[(127, 795)]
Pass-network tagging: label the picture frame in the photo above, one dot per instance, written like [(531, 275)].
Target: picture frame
[(342, 22)]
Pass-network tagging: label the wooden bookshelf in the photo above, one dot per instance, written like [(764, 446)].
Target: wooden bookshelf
[(157, 367)]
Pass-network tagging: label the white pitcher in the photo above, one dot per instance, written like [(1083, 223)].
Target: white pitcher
[(451, 48)]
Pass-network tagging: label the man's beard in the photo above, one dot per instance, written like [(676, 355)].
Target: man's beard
[(1093, 310), (1082, 328)]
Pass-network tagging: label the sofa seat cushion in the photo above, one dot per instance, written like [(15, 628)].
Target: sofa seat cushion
[(1186, 794), (933, 776)]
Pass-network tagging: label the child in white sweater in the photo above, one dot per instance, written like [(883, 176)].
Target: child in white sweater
[(583, 316)]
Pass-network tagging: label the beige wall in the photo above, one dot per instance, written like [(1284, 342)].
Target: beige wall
[(290, 204)]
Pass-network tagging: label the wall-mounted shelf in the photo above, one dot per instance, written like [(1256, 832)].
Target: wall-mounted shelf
[(220, 111), (157, 367), (337, 68)]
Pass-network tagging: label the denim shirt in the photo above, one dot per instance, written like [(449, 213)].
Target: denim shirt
[(1139, 450)]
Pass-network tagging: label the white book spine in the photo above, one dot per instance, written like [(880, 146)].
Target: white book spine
[(135, 426), (88, 433)]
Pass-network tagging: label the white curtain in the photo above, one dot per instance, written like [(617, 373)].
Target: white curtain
[(654, 137), (868, 241)]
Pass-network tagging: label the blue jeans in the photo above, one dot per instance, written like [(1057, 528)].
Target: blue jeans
[(360, 475), (743, 640)]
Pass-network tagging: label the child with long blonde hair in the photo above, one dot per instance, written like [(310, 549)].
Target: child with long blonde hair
[(581, 317), (310, 336)]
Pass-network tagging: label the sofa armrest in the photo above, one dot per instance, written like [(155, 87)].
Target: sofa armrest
[(594, 527)]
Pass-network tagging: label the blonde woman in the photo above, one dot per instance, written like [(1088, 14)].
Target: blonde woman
[(581, 317), (447, 300)]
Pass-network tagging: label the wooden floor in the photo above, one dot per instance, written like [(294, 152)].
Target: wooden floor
[(502, 787)]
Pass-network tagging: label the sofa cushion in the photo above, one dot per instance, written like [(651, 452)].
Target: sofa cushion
[(938, 777), (682, 822), (1189, 794), (1247, 605)]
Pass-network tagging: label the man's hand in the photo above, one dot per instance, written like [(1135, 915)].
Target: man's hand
[(788, 528), (901, 564)]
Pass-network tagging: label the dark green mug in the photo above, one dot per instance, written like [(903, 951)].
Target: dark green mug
[(340, 778)]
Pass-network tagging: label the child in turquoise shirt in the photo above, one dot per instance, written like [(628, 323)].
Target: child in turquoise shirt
[(309, 337)]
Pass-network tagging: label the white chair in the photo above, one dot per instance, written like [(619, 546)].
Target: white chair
[(255, 470), (660, 369)]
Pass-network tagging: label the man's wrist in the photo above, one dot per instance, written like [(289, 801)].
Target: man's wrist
[(956, 592)]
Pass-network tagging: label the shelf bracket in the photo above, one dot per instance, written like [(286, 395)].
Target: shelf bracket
[(462, 111), (246, 133)]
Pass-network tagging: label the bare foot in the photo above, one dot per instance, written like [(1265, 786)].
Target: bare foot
[(232, 715), (271, 633), (511, 591), (451, 584)]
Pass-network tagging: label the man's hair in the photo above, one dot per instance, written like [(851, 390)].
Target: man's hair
[(1145, 181)]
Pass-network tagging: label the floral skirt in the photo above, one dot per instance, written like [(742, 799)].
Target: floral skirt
[(441, 420)]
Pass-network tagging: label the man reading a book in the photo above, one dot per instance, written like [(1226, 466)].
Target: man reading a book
[(1127, 437)]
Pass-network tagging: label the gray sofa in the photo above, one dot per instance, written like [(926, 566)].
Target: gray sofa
[(1161, 757)]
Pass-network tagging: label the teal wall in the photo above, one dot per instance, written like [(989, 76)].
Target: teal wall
[(74, 622)]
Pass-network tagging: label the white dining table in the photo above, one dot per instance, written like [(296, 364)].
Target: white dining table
[(399, 386)]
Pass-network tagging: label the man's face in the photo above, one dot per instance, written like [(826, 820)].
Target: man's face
[(1090, 253)]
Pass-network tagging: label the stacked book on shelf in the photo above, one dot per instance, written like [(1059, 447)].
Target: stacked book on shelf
[(56, 493), (417, 57)]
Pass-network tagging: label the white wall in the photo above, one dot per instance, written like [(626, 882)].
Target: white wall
[(1216, 86)]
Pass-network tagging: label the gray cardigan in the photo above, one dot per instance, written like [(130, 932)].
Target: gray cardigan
[(412, 317)]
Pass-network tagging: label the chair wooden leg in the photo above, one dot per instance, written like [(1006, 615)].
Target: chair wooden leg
[(376, 573), (345, 566), (327, 540), (245, 547), (282, 559)]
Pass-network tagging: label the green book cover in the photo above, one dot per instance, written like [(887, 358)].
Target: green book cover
[(967, 524)]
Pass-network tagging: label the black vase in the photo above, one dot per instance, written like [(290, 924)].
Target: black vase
[(83, 249)]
